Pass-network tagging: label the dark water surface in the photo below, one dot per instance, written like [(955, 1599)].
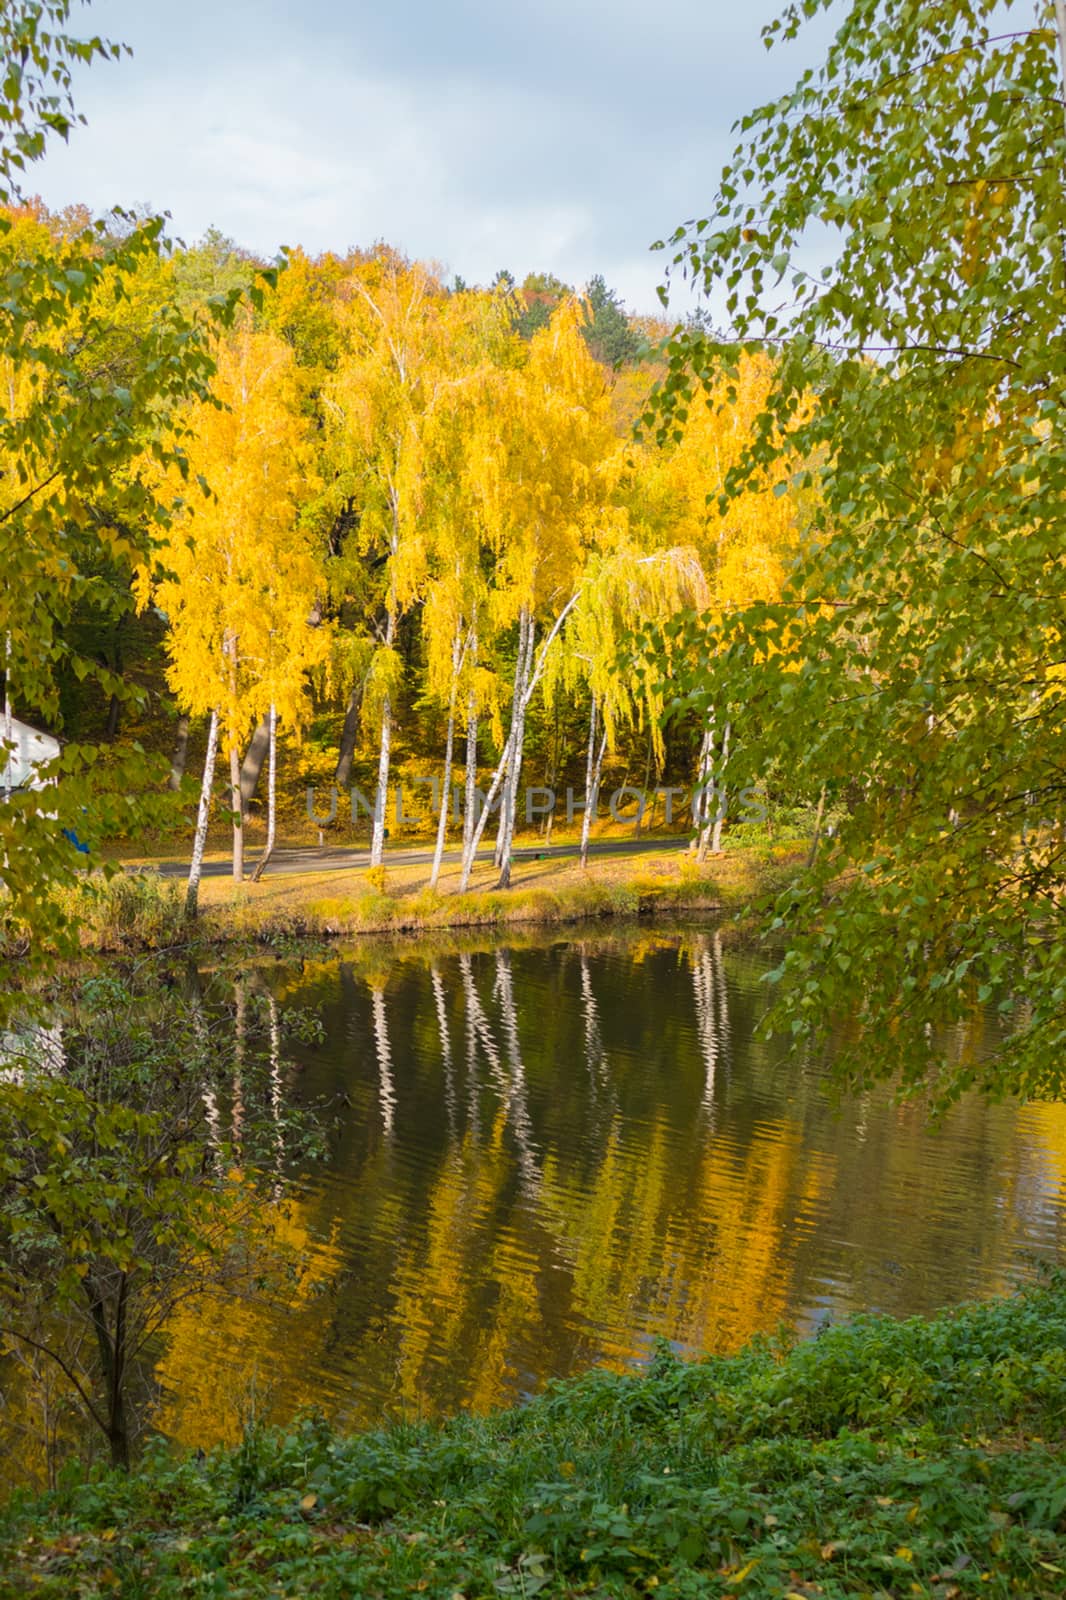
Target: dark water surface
[(550, 1154)]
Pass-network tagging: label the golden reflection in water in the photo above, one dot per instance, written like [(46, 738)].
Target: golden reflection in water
[(540, 1175)]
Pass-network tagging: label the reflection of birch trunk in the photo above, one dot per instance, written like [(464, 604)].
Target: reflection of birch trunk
[(712, 1010), (207, 1095), (471, 1008), (275, 1092), (511, 1089), (386, 1091), (445, 1045), (594, 1056), (516, 1097), (238, 1061)]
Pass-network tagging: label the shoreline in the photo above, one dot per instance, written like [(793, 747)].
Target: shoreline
[(882, 1457), (137, 909)]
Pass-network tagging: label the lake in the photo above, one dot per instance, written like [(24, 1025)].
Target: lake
[(552, 1152)]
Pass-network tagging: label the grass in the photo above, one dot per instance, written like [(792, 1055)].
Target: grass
[(141, 910), (881, 1459)]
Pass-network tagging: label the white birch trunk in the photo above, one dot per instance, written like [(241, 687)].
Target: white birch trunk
[(516, 702), (381, 796), (237, 807), (592, 783), (720, 794), (192, 891), (494, 789), (510, 800), (445, 798), (458, 656), (702, 810), (381, 793), (272, 793), (470, 799)]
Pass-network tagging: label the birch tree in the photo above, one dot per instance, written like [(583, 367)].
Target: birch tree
[(551, 466), (395, 348), (625, 586), (913, 665), (235, 575)]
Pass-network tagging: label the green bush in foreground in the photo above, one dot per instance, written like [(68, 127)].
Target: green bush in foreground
[(883, 1458)]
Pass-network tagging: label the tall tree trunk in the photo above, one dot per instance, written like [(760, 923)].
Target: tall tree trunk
[(445, 797), (446, 785), (593, 769), (181, 752), (471, 850), (349, 736), (272, 791), (534, 678), (720, 794), (590, 760), (516, 700), (703, 797), (510, 795), (647, 780), (111, 1350), (199, 838), (470, 799), (381, 797), (237, 807), (255, 755), (381, 793), (812, 854), (114, 715)]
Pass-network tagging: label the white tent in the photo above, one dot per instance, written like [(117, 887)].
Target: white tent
[(32, 750)]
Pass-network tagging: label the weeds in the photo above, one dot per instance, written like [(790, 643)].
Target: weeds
[(883, 1459)]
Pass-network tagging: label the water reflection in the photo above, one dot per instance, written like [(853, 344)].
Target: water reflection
[(550, 1154)]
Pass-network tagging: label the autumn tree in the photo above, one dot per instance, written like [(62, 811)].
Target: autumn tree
[(237, 579), (747, 542), (551, 465), (77, 439), (394, 328), (625, 586), (913, 664)]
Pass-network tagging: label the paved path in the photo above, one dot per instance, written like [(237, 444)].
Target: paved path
[(309, 858)]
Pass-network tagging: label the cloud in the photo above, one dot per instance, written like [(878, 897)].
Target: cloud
[(557, 136)]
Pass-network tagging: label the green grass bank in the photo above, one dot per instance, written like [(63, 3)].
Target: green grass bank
[(882, 1458), (140, 910)]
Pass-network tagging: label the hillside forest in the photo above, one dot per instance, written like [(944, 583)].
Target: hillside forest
[(411, 529)]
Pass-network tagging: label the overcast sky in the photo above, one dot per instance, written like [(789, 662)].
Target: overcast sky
[(554, 135)]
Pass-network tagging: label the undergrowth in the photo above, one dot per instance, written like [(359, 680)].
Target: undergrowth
[(883, 1458)]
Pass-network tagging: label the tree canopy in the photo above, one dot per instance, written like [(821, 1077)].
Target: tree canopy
[(912, 669)]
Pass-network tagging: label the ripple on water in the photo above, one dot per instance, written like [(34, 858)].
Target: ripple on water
[(548, 1157)]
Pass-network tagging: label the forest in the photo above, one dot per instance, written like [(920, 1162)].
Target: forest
[(336, 560), (410, 533)]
